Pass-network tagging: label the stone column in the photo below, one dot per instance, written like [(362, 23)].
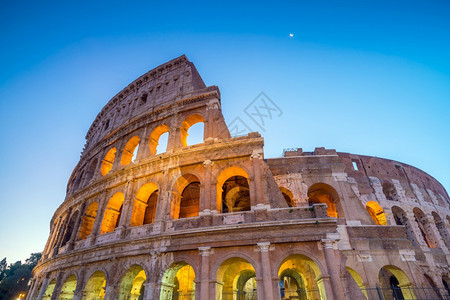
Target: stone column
[(43, 288), (76, 227), (127, 205), (329, 246), (258, 190), (110, 293), (204, 273), (98, 220), (143, 150), (58, 284), (78, 293), (205, 199), (263, 249)]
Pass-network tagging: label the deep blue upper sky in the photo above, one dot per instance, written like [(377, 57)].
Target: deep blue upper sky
[(367, 77)]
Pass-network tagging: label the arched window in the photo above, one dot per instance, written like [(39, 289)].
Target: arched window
[(68, 288), (401, 219), (144, 206), (156, 141), (324, 193), (132, 283), (186, 197), (441, 228), (95, 286), (91, 171), (185, 128), (237, 276), (178, 282), (111, 217), (130, 151), (233, 192), (108, 161), (69, 229), (425, 228), (389, 191), (396, 285), (87, 221), (288, 196), (376, 213)]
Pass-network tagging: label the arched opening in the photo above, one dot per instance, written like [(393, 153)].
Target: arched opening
[(185, 197), (129, 152), (288, 196), (401, 219), (197, 133), (440, 225), (389, 191), (77, 180), (376, 213), (233, 192), (425, 228), (108, 161), (95, 287), (237, 276), (144, 206), (68, 288), (302, 273), (359, 281), (178, 282), (446, 284), (111, 217), (91, 171), (158, 143), (49, 290), (395, 284), (87, 221), (324, 193), (132, 284), (69, 229)]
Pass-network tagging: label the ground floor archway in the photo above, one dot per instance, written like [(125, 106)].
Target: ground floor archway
[(178, 282), (236, 279), (95, 287), (132, 284), (395, 284)]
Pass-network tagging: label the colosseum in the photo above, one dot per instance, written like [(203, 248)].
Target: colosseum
[(149, 219)]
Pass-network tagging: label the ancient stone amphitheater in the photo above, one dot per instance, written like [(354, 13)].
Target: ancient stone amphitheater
[(147, 219)]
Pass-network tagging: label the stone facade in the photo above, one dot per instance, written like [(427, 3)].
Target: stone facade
[(217, 220)]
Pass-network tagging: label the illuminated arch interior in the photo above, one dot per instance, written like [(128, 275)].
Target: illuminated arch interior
[(178, 282), (155, 137), (288, 196), (95, 287), (87, 221), (132, 284), (187, 124), (108, 161), (186, 197), (237, 276), (112, 213), (130, 151), (70, 228), (425, 228), (233, 192), (376, 213), (68, 288), (144, 206), (304, 274), (395, 283), (324, 193), (49, 290), (359, 281)]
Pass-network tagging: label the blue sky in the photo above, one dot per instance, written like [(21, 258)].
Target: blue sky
[(366, 77)]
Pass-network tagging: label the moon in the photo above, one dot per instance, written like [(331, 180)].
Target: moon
[(291, 34)]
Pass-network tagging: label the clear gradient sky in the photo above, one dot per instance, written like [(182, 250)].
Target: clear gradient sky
[(366, 77)]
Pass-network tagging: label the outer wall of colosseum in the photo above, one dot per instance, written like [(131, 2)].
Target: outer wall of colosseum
[(150, 219)]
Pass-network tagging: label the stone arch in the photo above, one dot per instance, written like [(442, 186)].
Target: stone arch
[(130, 150), (433, 292), (49, 290), (95, 286), (90, 171), (70, 228), (395, 283), (144, 205), (300, 266), (185, 201), (88, 220), (78, 179), (401, 218), (324, 193), (425, 228), (288, 196), (440, 225), (376, 213), (154, 138), (131, 285), (68, 288), (178, 281), (113, 211), (233, 190), (237, 276), (108, 161), (358, 279), (188, 123)]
